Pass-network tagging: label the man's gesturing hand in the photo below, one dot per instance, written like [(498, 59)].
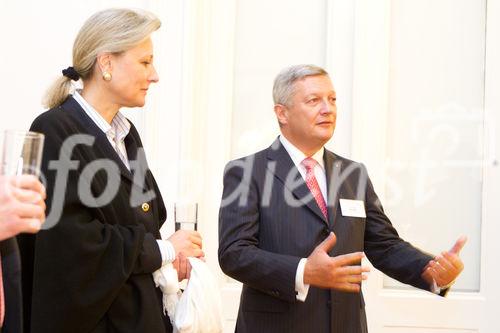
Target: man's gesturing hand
[(445, 268), (343, 272)]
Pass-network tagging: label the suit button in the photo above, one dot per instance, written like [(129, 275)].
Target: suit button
[(326, 232), (145, 207), (275, 293)]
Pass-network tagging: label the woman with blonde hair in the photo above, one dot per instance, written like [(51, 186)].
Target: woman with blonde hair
[(92, 271)]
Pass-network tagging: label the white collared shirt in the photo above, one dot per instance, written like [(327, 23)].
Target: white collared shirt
[(297, 157), (116, 133)]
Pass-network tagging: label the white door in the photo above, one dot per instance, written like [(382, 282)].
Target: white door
[(425, 116)]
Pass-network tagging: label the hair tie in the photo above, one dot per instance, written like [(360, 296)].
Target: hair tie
[(71, 73)]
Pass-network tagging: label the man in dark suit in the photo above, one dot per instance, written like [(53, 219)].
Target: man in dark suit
[(296, 220), (22, 209)]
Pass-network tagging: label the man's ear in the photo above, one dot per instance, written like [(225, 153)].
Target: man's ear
[(104, 62), (281, 114)]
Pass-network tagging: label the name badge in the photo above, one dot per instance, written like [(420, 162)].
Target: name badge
[(352, 208)]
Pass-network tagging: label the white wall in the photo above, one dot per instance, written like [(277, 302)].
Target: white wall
[(36, 45)]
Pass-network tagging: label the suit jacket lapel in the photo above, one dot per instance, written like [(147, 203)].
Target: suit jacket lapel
[(336, 191), (332, 170), (132, 144), (101, 141), (285, 169)]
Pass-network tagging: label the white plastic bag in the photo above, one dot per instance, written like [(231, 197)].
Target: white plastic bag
[(198, 308)]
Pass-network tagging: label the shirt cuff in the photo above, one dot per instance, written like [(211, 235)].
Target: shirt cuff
[(167, 251), (434, 288), (437, 289), (300, 288)]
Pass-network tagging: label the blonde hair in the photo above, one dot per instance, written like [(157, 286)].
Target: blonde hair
[(113, 30)]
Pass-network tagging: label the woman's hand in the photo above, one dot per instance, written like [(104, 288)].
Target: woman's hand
[(188, 243), (183, 267)]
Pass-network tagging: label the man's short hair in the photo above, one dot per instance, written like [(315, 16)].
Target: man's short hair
[(283, 88)]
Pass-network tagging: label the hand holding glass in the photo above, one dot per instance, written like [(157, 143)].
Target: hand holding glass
[(21, 157)]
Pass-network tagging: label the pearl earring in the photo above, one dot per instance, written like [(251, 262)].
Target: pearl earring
[(106, 76)]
